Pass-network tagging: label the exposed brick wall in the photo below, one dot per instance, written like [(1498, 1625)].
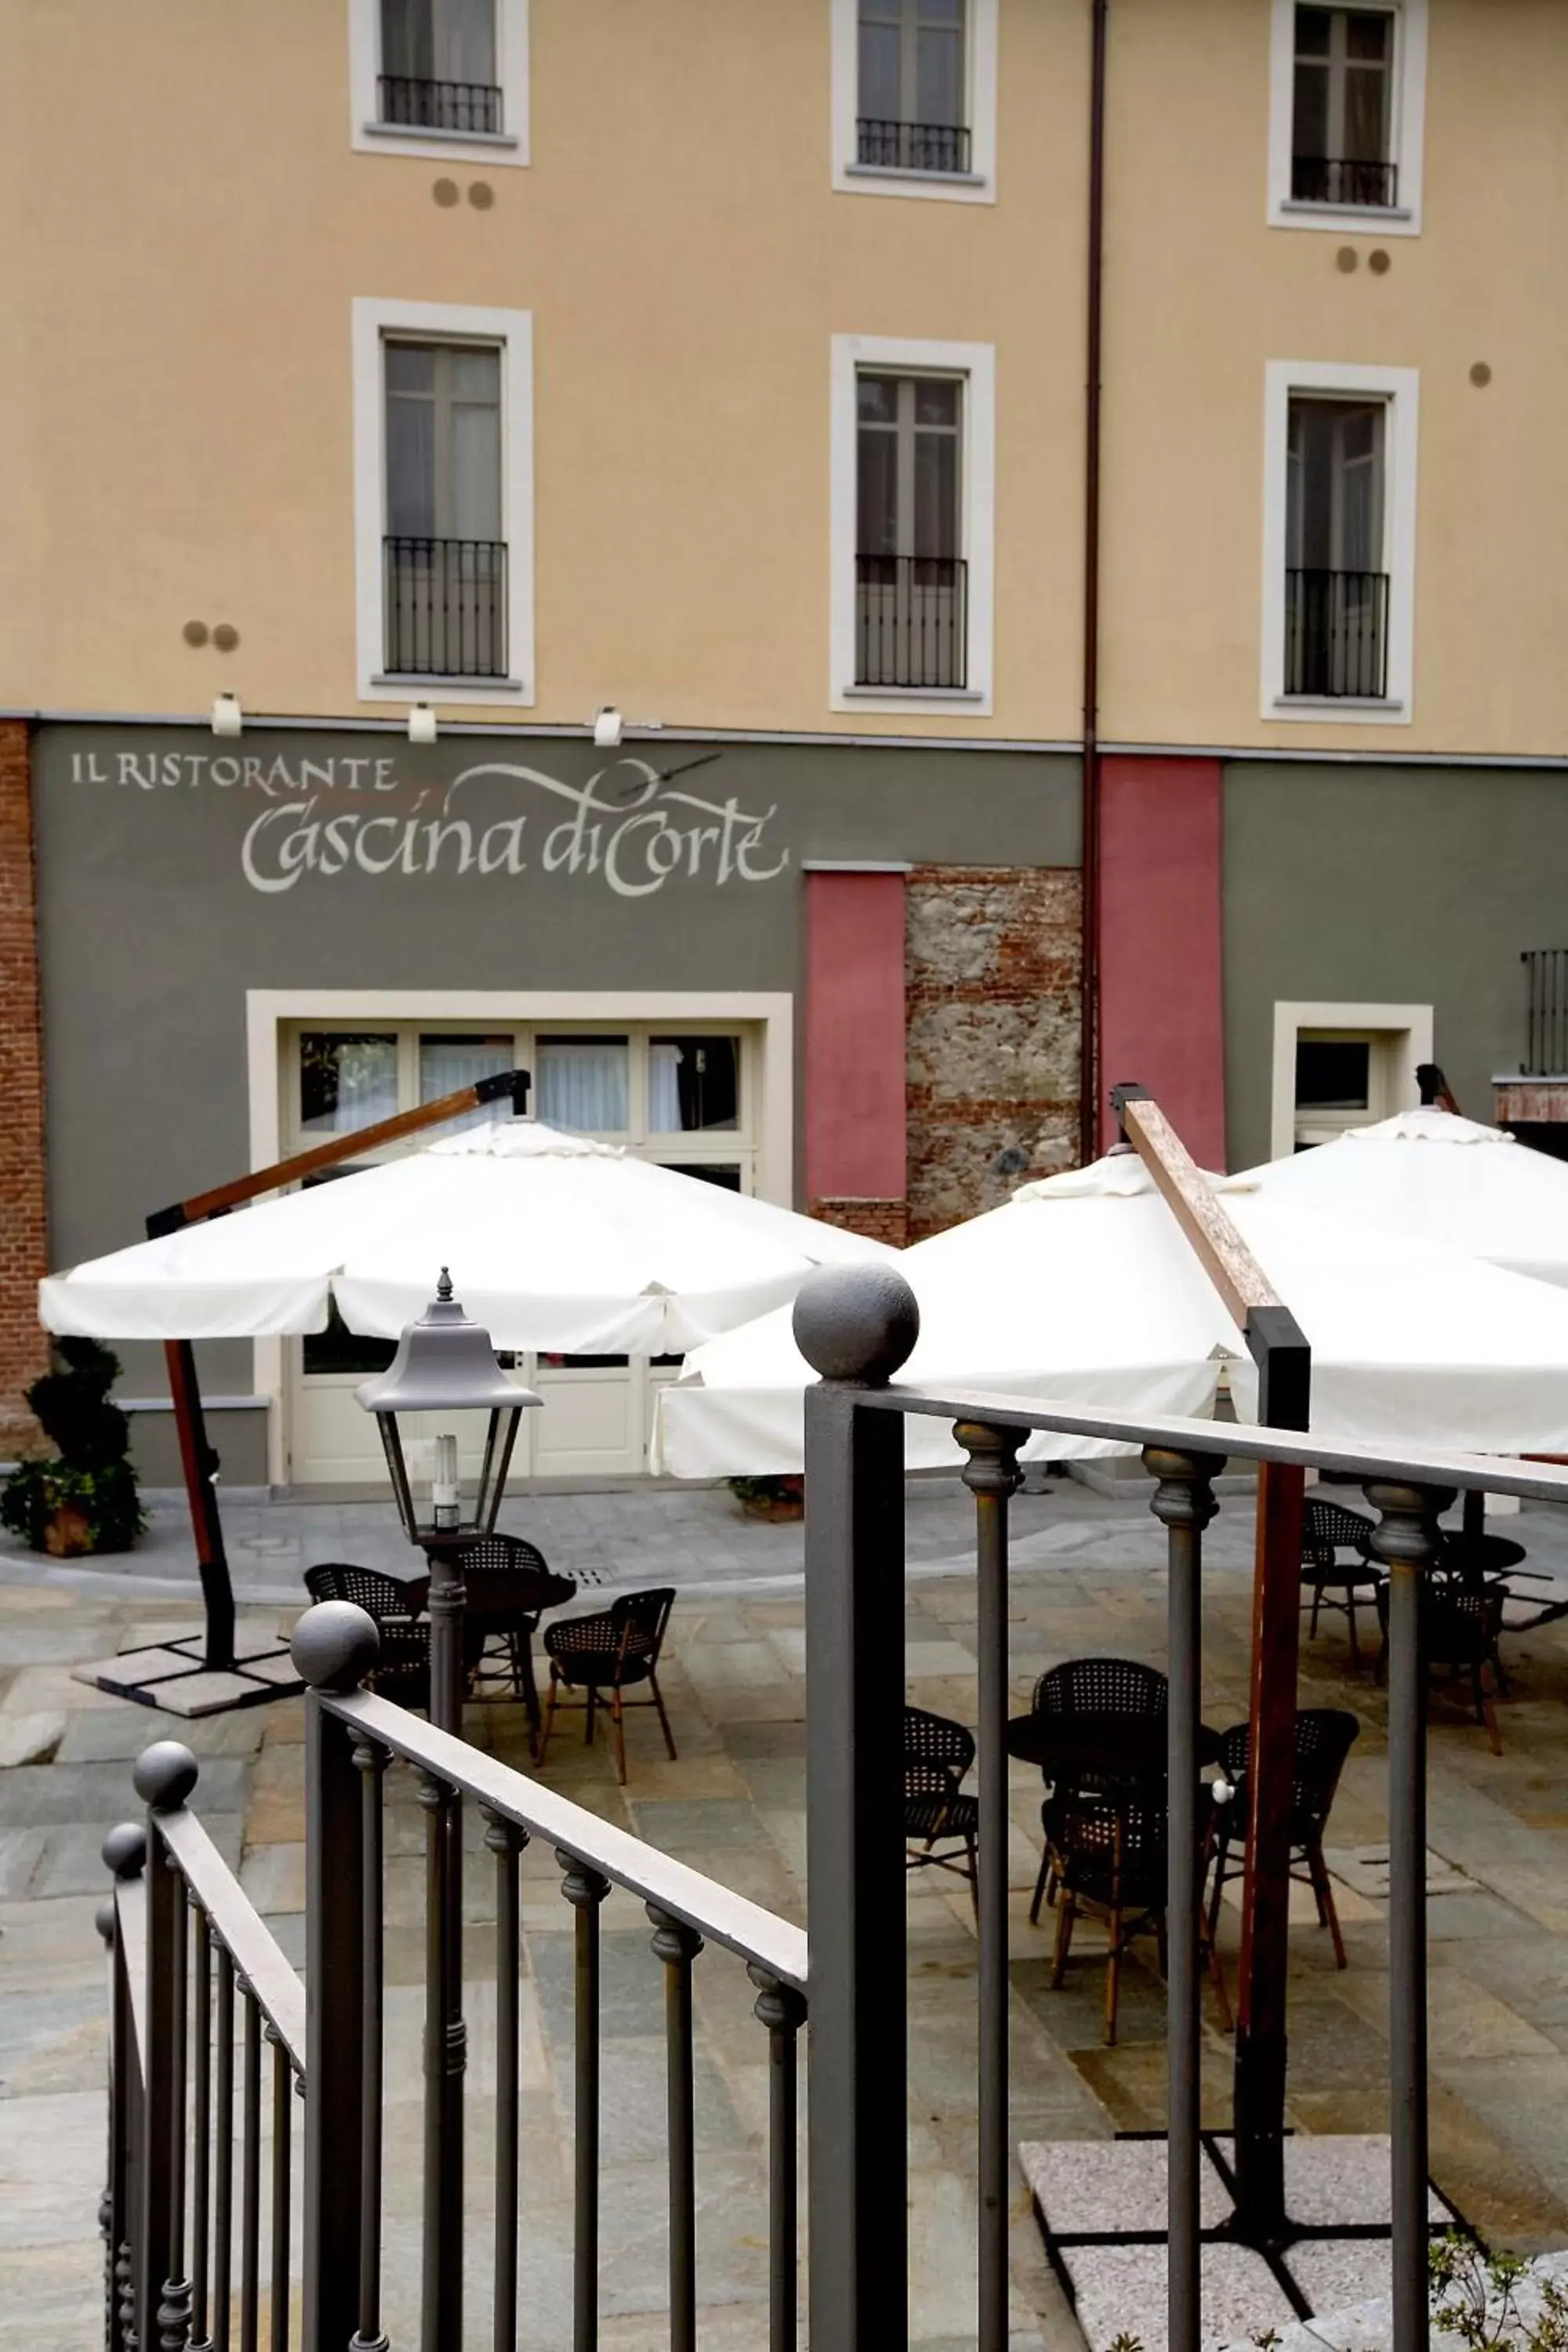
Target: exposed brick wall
[(884, 1221), (992, 980), (24, 1351)]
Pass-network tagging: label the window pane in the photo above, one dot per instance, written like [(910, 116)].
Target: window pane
[(411, 465), (1366, 34), (583, 1083), (939, 75), (728, 1179), (694, 1083), (941, 12), (338, 1350), (1314, 30), (347, 1079), (475, 375), (880, 50), (476, 473), (406, 46), (410, 367), (447, 1063), (469, 44), (1309, 124), (1332, 1074), (878, 399), (936, 494), (876, 492), (1366, 91), (936, 402)]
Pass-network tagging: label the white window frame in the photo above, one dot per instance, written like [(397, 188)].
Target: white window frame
[(511, 331), (1407, 127), (976, 186), (1400, 390), (270, 1013), (370, 137), (1405, 1031), (976, 364)]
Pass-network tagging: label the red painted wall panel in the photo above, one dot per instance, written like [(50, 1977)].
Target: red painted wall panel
[(855, 1132), (1162, 1010)]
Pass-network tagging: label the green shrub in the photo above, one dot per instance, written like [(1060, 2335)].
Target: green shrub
[(83, 1497)]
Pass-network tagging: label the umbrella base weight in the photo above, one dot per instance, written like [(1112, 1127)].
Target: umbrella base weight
[(175, 1678)]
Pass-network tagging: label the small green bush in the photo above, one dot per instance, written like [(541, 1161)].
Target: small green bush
[(89, 1475)]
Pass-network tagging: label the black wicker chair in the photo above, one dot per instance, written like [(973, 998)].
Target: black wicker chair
[(1100, 1687), (498, 1658), (1324, 1736), (1327, 1530), (606, 1653), (402, 1669), (938, 1753), (1460, 1623), (1109, 1858)]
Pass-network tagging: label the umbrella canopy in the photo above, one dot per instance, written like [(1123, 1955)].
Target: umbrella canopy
[(1084, 1290), (553, 1241), (1435, 1177)]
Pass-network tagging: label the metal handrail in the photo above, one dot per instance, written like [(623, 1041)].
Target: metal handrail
[(130, 1932), (240, 1930), (912, 621), (1345, 180), (1336, 632), (413, 101), (1546, 1042), (731, 1920), (445, 607), (890, 145)]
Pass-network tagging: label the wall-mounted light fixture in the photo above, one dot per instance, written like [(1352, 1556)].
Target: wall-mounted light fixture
[(607, 726), (227, 717), (422, 724)]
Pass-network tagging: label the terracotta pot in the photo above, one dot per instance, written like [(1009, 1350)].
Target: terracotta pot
[(776, 1508), (69, 1533)]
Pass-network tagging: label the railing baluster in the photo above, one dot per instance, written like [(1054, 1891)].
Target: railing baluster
[(782, 2010), (222, 2128), (506, 1842), (163, 1777), (445, 2058), (1184, 1502), (1405, 1540), (282, 2119), (370, 1761), (201, 2152), (250, 2172), (678, 1946), (585, 1890), (124, 1850), (992, 1474)]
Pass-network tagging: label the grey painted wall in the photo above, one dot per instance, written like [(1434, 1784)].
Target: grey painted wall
[(1410, 886), (177, 870)]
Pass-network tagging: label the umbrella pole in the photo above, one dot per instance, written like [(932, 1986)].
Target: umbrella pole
[(200, 1463)]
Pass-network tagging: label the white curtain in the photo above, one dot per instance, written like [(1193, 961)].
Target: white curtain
[(583, 1085), (664, 1087), (447, 1063), (470, 43)]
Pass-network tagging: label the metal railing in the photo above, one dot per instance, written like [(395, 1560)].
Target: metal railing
[(1546, 981), (912, 621), (912, 146), (439, 105), (445, 604), (336, 2048), (1336, 633), (1343, 180), (187, 1948)]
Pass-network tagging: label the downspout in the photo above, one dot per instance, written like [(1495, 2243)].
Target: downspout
[(1088, 1086)]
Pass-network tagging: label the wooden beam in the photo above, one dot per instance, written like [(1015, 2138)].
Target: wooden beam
[(1223, 1254)]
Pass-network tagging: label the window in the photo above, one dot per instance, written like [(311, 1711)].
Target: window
[(445, 557), (440, 77), (1336, 591), (914, 98), (1342, 1066), (443, 501), (1346, 129), (1339, 540), (912, 466)]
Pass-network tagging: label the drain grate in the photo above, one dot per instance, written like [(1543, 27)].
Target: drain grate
[(1365, 1870)]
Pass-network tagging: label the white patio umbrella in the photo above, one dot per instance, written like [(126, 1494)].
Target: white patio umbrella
[(1435, 1177), (554, 1242), (1084, 1290)]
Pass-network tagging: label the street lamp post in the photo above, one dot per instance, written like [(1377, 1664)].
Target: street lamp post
[(446, 1364)]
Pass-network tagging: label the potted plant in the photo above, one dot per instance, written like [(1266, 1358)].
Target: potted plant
[(83, 1497), (776, 1499)]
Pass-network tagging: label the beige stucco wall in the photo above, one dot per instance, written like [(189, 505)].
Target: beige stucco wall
[(175, 358)]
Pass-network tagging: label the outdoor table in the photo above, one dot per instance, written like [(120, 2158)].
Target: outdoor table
[(505, 1601), (1479, 1557), (1119, 1747)]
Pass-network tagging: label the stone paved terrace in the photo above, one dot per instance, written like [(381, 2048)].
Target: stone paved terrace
[(1085, 1578)]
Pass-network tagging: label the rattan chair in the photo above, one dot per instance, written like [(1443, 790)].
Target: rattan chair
[(504, 1655), (937, 1754), (1100, 1687), (1327, 1530), (1324, 1736), (606, 1653), (402, 1669), (1109, 1858), (1460, 1623)]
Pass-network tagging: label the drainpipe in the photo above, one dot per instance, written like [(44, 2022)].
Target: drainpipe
[(1088, 1087)]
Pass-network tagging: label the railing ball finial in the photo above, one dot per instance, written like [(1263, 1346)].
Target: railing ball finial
[(125, 1850), (856, 1322), (334, 1646), (103, 1920), (164, 1775)]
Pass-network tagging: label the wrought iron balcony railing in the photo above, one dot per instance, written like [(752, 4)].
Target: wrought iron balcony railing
[(912, 621), (1343, 180), (1336, 633), (912, 146), (439, 105), (446, 607), (1546, 979)]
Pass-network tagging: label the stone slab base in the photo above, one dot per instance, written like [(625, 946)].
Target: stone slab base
[(174, 1679), (1101, 2206)]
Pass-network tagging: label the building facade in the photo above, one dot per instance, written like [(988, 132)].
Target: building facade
[(982, 740)]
